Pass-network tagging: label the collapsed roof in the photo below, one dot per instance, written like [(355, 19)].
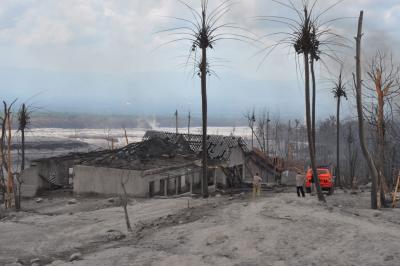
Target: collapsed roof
[(218, 147), (144, 155), (159, 150), (275, 164)]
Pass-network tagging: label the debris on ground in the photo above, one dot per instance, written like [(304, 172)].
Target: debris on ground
[(75, 256), (115, 235), (274, 228), (72, 201), (35, 260)]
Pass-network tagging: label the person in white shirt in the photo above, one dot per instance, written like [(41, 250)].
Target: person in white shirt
[(256, 185), (300, 178)]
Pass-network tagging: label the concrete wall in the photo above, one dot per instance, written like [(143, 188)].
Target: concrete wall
[(32, 176), (237, 157), (220, 177), (107, 181), (32, 182), (57, 169)]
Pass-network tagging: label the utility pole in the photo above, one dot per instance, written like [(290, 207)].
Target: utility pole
[(268, 120), (189, 124), (176, 121), (253, 120)]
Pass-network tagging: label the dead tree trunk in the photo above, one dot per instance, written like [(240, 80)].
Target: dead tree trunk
[(381, 147), (338, 181), (309, 127), (124, 202), (10, 180), (22, 150), (375, 201), (203, 74), (314, 96), (3, 185)]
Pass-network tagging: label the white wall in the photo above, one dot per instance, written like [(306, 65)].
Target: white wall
[(89, 179), (107, 181)]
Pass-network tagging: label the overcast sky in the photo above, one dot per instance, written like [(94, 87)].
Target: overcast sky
[(105, 56)]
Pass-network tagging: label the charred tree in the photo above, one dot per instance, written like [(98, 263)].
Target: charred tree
[(124, 202), (384, 77), (375, 200)]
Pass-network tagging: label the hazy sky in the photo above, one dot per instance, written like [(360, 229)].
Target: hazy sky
[(101, 56)]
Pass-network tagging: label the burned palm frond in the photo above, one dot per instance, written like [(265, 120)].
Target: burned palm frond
[(339, 90), (24, 120), (24, 117), (203, 30), (307, 33)]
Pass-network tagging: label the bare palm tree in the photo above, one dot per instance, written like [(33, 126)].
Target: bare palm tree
[(24, 119), (338, 91), (203, 30), (311, 38)]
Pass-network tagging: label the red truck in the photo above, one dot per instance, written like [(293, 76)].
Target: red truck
[(326, 179)]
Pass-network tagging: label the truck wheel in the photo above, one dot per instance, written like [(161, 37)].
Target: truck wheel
[(308, 189), (331, 190)]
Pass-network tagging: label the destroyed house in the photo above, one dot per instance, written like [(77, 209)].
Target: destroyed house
[(146, 169), (269, 168), (53, 172), (161, 164), (230, 162), (226, 155)]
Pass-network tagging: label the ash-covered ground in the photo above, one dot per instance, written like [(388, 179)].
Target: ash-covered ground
[(276, 229)]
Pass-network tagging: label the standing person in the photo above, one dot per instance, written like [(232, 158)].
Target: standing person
[(256, 185), (300, 178)]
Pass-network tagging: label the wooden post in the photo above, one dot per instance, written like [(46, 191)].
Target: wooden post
[(191, 182), (215, 179), (176, 185), (167, 186)]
